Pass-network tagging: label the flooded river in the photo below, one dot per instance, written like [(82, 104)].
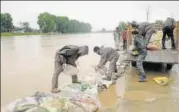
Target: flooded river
[(27, 62), (27, 66)]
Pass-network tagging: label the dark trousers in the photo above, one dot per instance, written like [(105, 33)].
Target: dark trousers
[(124, 44), (169, 32)]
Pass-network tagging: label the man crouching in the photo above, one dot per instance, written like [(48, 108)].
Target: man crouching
[(107, 54), (67, 55)]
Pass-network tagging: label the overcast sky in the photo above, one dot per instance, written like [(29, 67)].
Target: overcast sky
[(100, 14)]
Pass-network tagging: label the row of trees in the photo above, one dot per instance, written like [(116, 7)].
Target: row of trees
[(47, 22), (7, 25), (51, 23)]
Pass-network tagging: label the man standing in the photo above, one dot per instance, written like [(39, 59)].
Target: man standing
[(140, 47), (107, 54), (145, 29), (169, 26), (124, 37), (67, 55), (116, 38)]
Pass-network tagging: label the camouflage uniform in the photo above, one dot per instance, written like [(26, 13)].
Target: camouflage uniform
[(109, 54), (141, 48), (168, 28), (67, 55), (146, 30)]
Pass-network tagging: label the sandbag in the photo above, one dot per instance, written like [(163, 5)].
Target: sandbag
[(38, 109), (153, 47), (56, 103), (70, 70), (87, 102), (21, 105), (161, 80)]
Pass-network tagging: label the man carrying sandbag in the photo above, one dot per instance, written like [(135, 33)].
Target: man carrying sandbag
[(107, 54), (169, 26), (67, 55), (145, 29)]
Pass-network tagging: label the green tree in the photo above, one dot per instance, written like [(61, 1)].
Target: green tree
[(63, 24), (6, 22), (47, 22), (25, 26)]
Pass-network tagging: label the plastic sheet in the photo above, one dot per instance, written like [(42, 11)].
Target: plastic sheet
[(55, 103), (81, 88)]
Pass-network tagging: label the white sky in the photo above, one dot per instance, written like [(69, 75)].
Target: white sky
[(100, 14)]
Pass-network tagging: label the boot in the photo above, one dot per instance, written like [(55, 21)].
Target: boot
[(74, 79), (173, 46), (143, 79), (163, 45)]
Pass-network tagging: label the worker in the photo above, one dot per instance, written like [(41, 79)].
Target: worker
[(140, 47), (145, 29), (124, 37), (67, 55), (168, 27), (107, 54), (116, 38)]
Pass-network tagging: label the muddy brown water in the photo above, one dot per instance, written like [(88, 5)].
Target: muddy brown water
[(27, 66), (149, 96), (27, 61)]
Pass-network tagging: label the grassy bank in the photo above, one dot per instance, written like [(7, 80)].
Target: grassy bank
[(7, 34)]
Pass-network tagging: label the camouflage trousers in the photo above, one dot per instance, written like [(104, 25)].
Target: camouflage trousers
[(139, 62), (58, 69), (113, 67)]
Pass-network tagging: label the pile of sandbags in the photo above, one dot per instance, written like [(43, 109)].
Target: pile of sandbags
[(43, 102)]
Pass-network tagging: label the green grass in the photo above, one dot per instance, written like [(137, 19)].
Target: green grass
[(8, 34)]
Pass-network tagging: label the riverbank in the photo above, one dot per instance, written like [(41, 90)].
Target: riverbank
[(8, 34)]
